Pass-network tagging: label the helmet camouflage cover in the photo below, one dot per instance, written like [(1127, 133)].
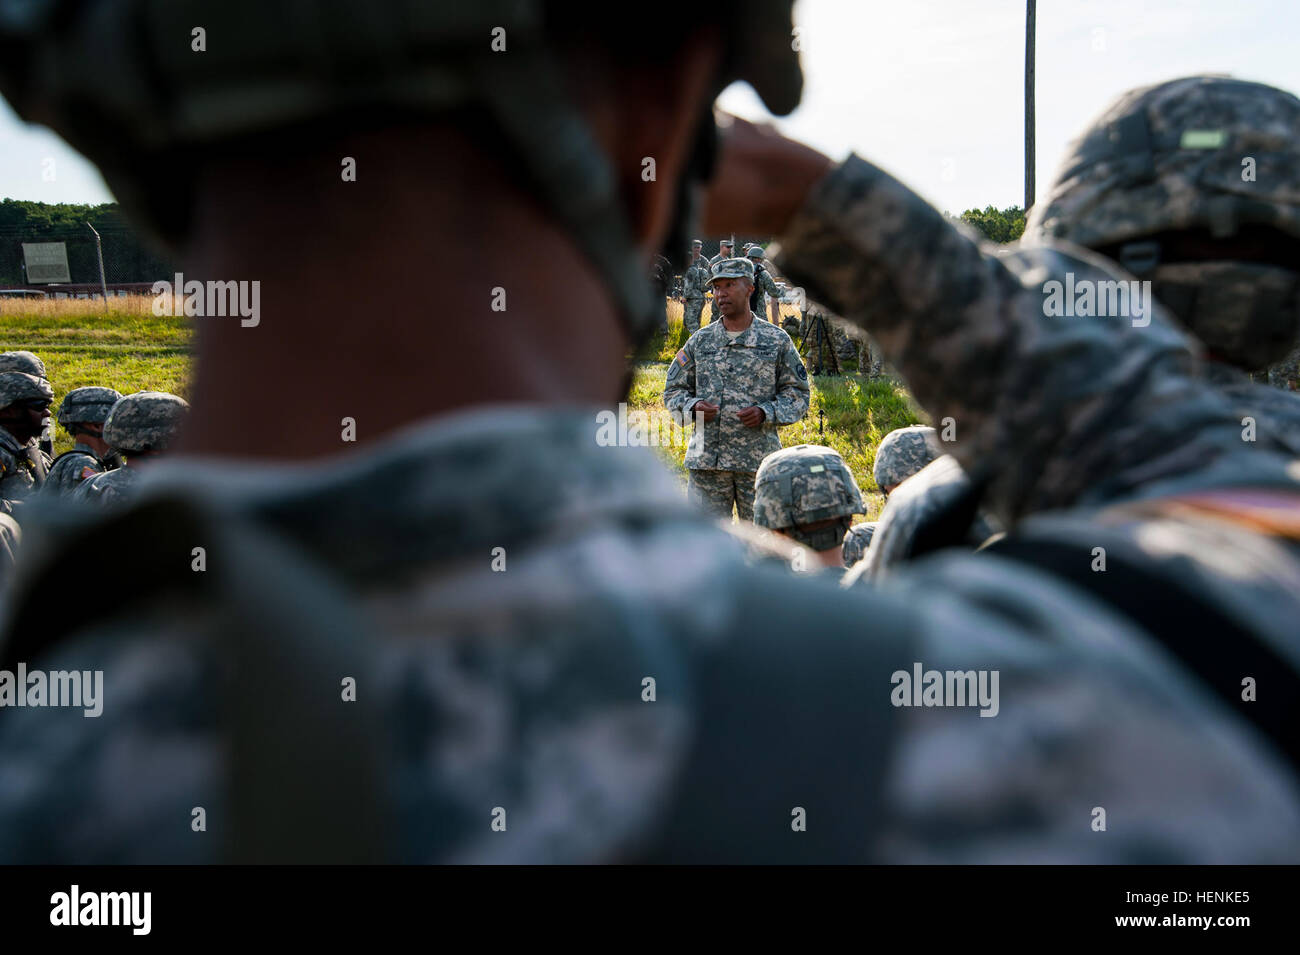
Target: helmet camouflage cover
[(23, 361), (89, 404), (1206, 155), (18, 386), (856, 542), (145, 421), (902, 453), (803, 485)]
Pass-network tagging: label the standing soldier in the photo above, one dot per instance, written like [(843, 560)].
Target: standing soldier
[(764, 285), (82, 414), (724, 253), (693, 287), (24, 406), (740, 379)]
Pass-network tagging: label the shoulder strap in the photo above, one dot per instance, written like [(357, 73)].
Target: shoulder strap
[(304, 770)]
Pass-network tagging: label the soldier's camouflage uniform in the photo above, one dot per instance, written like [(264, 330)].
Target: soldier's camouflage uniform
[(856, 542), (525, 688), (759, 368), (934, 493), (109, 488), (808, 484), (71, 468), (693, 291), (22, 466), (1286, 373), (764, 285)]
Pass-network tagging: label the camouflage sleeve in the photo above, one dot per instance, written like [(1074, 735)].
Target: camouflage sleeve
[(792, 391), (1048, 407), (769, 284), (692, 284), (679, 384)]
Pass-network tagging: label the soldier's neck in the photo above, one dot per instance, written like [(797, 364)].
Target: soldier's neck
[(738, 324), (387, 301)]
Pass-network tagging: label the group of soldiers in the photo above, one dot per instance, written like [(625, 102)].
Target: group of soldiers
[(556, 657), (113, 435)]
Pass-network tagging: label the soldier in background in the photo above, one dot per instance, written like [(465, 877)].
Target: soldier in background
[(808, 493), (24, 408), (724, 253), (30, 364), (902, 453), (142, 426), (694, 286), (764, 285), (82, 414), (522, 690), (739, 379)]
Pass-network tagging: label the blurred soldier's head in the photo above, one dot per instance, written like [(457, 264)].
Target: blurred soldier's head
[(808, 494), (83, 413), (24, 404), (23, 361), (755, 253), (857, 541), (725, 247), (732, 282), (1195, 185), (488, 120), (697, 248), (145, 424), (902, 453)]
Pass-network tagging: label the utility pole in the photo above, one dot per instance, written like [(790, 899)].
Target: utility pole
[(1029, 104), (99, 250)]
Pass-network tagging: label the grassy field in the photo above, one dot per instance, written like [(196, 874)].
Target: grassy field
[(125, 347), (128, 348)]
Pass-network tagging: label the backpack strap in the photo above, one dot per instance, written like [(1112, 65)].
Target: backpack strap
[(304, 770)]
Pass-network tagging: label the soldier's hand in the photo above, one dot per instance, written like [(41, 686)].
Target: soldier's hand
[(752, 416), (705, 410), (761, 179)]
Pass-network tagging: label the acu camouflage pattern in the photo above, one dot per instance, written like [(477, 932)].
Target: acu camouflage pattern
[(22, 470), (145, 421), (109, 488), (764, 285), (919, 501), (759, 368), (804, 484), (1171, 158), (693, 292), (91, 404), (902, 453), (70, 469), (18, 386), (719, 492), (856, 542), (23, 361), (536, 706), (731, 269)]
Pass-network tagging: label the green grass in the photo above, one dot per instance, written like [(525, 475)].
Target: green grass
[(850, 413), (130, 349), (80, 345)]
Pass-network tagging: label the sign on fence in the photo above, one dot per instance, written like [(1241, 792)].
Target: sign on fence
[(46, 262)]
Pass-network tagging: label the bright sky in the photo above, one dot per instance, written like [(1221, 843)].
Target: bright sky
[(933, 90)]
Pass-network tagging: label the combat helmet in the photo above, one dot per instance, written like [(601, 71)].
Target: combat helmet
[(856, 542), (23, 361), (87, 405), (16, 386), (1207, 160), (122, 82), (147, 421), (902, 453), (802, 485), (755, 252)]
